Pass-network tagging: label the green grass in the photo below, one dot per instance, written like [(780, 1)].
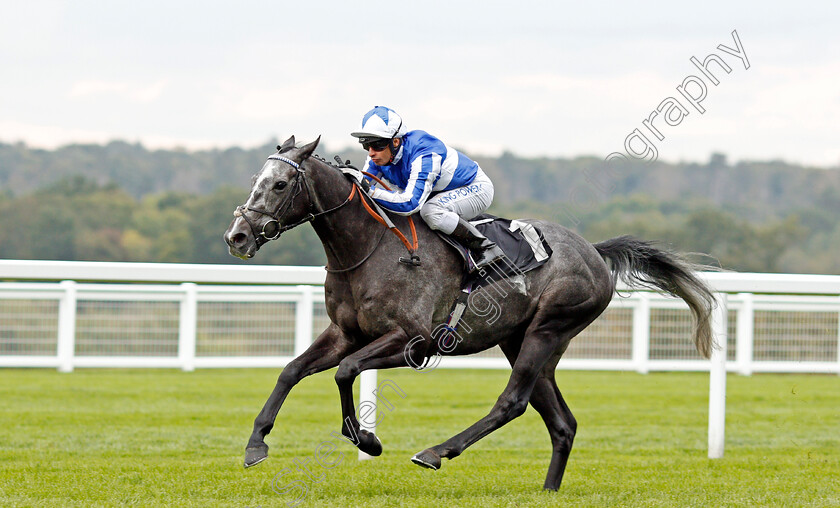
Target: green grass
[(167, 438)]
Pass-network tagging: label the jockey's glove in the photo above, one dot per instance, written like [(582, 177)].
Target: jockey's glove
[(363, 182)]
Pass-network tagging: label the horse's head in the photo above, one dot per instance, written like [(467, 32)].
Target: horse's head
[(280, 199)]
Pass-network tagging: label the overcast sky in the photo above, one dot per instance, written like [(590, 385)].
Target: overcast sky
[(531, 77)]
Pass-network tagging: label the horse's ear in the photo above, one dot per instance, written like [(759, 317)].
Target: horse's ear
[(287, 145), (306, 150)]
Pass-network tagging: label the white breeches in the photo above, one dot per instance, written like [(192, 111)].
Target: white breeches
[(442, 210)]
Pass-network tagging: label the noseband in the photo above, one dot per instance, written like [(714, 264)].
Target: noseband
[(272, 230)]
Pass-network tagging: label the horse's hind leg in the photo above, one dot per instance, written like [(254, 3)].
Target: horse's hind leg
[(558, 419), (561, 424), (324, 353), (563, 315), (537, 349)]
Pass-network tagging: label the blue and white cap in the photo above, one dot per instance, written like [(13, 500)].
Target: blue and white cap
[(380, 122)]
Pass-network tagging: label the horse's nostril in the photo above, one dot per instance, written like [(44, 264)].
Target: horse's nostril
[(238, 239)]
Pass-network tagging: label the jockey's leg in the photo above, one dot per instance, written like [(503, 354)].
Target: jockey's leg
[(448, 211), (485, 251)]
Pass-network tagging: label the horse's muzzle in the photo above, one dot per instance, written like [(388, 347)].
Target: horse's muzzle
[(240, 241)]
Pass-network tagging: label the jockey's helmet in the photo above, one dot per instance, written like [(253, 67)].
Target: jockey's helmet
[(379, 123)]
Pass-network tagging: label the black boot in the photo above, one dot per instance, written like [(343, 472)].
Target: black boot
[(484, 250)]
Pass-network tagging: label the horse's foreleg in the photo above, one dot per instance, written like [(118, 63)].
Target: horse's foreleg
[(385, 352), (324, 353)]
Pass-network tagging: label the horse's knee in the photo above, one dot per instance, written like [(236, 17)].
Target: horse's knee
[(291, 374), (510, 408), (518, 408), (347, 371)]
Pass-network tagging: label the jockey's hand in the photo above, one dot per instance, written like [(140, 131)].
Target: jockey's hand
[(364, 183)]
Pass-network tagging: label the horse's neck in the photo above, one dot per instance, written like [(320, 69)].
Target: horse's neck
[(346, 235)]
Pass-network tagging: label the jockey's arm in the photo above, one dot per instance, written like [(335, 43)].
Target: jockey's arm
[(424, 172)]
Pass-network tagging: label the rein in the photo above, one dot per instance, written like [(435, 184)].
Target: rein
[(414, 260), (275, 230), (412, 247), (272, 230)]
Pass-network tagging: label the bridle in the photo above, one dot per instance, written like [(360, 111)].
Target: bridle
[(272, 230)]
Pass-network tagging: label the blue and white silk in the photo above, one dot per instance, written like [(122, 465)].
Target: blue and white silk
[(423, 165)]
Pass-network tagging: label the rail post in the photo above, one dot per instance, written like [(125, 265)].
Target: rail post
[(717, 379), (303, 320), (745, 329), (66, 347), (641, 332), (367, 387), (188, 327), (838, 343)]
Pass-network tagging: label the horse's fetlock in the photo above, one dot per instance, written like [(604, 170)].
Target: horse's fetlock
[(450, 453)]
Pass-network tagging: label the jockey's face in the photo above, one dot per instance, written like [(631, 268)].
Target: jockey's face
[(382, 157)]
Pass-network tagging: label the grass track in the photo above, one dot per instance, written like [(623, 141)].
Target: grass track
[(167, 438)]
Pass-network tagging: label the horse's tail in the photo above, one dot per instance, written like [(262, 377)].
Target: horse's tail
[(639, 263)]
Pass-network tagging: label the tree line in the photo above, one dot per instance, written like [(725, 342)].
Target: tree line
[(78, 219), (122, 202)]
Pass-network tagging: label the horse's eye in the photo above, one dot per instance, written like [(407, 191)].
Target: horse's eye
[(280, 185)]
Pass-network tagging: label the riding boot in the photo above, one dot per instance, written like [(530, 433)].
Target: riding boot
[(484, 250)]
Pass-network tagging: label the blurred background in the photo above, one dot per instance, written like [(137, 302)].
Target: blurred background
[(129, 131)]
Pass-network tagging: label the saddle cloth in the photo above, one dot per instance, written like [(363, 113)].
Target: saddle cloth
[(522, 243)]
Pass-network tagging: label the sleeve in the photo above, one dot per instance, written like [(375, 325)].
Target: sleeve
[(425, 170)]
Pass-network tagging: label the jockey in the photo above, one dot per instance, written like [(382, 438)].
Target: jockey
[(444, 185)]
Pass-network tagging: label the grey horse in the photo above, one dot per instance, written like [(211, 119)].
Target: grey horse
[(385, 314)]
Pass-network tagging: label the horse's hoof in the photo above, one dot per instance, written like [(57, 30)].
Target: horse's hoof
[(369, 443), (254, 456), (427, 459)]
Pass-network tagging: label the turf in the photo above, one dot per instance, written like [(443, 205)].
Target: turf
[(167, 438)]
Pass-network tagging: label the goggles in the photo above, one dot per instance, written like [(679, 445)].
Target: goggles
[(377, 144)]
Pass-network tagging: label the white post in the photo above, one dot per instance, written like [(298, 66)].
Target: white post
[(303, 320), (641, 332), (188, 327), (838, 344), (367, 385), (745, 326), (717, 380), (66, 347)]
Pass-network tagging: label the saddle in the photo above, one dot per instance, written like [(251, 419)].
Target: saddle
[(523, 244), (524, 247)]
